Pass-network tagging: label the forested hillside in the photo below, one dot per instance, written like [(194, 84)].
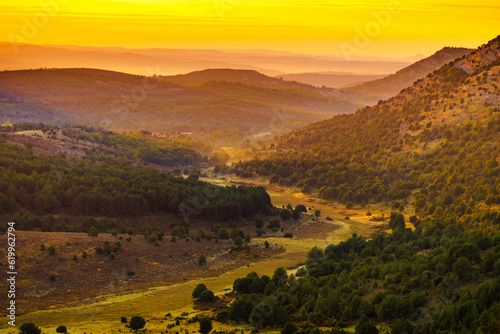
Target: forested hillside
[(105, 184), (431, 153), (433, 147)]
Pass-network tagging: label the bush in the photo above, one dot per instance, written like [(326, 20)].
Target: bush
[(221, 316), (42, 247), (266, 244), (288, 235), (130, 273), (51, 250), (198, 290), (29, 328), (285, 214), (205, 325), (301, 208), (123, 320), (61, 329), (137, 322), (222, 233), (202, 259), (206, 296), (238, 241), (274, 224), (84, 254), (289, 328), (92, 232)]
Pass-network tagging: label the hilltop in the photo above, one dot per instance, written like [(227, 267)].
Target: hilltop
[(391, 85), (248, 77)]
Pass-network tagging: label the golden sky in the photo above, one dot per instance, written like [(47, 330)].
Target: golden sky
[(403, 28)]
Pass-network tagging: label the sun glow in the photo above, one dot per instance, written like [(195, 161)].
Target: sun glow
[(295, 25)]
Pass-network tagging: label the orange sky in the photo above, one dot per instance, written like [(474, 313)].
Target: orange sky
[(404, 28)]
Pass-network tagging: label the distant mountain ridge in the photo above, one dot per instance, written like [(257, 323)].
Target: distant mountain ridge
[(163, 61), (393, 84)]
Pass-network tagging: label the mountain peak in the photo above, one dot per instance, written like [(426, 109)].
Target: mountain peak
[(485, 55)]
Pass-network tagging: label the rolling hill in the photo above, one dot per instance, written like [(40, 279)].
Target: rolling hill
[(391, 85), (119, 101)]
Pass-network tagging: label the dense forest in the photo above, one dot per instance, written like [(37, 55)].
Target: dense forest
[(106, 185), (433, 148), (441, 277)]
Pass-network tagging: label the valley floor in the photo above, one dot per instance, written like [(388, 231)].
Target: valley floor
[(173, 295)]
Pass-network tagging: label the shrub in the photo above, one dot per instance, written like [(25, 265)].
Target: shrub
[(222, 233), (205, 325), (123, 320), (137, 322), (84, 254), (288, 235), (202, 259), (42, 247), (130, 273), (29, 328), (198, 290), (289, 328), (285, 214), (206, 296), (92, 232), (62, 329), (301, 208), (266, 244), (238, 241), (52, 278), (51, 250)]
